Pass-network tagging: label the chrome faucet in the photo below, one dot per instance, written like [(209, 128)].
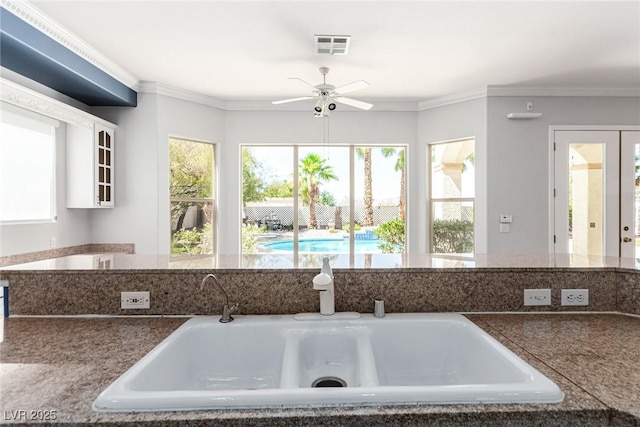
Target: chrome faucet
[(324, 283), (226, 308)]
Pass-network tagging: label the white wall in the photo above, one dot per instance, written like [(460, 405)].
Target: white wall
[(178, 118), (512, 166), (451, 122), (71, 227), (518, 169), (135, 216), (345, 127), (141, 215)]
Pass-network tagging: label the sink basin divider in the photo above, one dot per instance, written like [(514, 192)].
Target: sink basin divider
[(290, 377), (366, 361)]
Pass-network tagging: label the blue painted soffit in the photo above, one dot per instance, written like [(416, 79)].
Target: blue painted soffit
[(29, 52)]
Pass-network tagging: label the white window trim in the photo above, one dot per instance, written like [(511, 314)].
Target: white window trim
[(351, 147), (431, 200), (29, 119)]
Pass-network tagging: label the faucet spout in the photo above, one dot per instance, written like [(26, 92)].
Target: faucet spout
[(324, 283), (226, 308)]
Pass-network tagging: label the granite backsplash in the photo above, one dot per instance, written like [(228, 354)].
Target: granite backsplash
[(178, 292)]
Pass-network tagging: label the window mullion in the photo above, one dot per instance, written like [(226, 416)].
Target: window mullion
[(296, 194)]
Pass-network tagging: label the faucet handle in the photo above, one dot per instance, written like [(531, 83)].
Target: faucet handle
[(322, 282)]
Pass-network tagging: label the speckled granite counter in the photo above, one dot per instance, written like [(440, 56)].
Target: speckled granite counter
[(281, 284), (62, 364), (134, 263)]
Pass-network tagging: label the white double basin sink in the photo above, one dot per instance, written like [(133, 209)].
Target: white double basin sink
[(346, 359)]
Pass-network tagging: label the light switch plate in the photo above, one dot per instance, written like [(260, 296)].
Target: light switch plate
[(537, 297)]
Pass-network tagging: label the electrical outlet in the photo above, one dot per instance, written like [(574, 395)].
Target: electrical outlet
[(130, 300), (575, 297), (537, 297)]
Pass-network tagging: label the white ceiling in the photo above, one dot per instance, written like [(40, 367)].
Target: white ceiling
[(406, 50)]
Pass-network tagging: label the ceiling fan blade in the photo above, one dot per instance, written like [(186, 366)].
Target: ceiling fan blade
[(284, 101), (303, 82), (354, 103), (350, 87)]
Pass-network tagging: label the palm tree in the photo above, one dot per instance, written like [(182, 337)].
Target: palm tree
[(365, 153), (399, 167), (313, 171)]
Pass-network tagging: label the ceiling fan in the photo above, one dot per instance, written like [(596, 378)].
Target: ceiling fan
[(328, 95)]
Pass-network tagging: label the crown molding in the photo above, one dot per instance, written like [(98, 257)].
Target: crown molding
[(379, 105), (496, 90), (183, 94), (455, 98), (37, 19), (28, 99), (186, 95)]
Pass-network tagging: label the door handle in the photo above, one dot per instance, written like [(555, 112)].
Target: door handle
[(626, 240)]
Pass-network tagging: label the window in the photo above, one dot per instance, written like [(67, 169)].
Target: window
[(27, 166), (191, 182), (301, 199), (452, 197)]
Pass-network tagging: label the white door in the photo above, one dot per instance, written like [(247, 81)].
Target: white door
[(630, 194), (595, 192)]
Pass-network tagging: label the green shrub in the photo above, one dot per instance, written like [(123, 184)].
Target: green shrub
[(250, 237), (391, 234), (193, 242), (356, 225), (206, 239), (453, 236), (186, 241)]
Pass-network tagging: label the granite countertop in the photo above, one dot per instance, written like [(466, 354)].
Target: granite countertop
[(161, 263), (57, 366)]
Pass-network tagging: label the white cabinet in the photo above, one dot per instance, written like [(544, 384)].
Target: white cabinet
[(90, 159)]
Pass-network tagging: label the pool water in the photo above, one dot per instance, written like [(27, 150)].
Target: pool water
[(326, 245)]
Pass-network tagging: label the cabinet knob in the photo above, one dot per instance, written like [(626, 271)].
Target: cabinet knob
[(626, 240)]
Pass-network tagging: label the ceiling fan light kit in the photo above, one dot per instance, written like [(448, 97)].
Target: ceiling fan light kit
[(327, 95)]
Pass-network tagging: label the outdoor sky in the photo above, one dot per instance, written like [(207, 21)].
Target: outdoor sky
[(278, 166)]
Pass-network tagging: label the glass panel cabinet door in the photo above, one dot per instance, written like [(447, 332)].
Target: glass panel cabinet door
[(104, 167)]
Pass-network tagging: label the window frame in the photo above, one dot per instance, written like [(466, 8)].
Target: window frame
[(351, 159), (24, 119), (433, 200), (195, 200)]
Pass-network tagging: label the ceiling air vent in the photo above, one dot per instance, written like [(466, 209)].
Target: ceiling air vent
[(332, 45)]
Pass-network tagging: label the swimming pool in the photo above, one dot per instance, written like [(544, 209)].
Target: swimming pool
[(326, 245)]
